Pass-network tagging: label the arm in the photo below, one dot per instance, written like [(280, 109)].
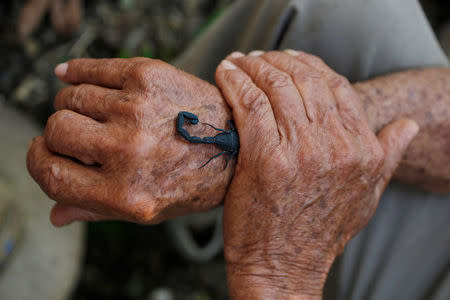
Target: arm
[(424, 96), (118, 120)]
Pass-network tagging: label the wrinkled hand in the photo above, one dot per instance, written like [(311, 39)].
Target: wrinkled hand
[(111, 150), (309, 174)]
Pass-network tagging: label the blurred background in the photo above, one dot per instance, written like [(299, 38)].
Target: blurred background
[(121, 260)]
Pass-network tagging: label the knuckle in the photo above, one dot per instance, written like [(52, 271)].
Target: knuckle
[(61, 97), (70, 97), (313, 59), (277, 79), (76, 95), (56, 126), (234, 78), (57, 118), (121, 97), (306, 76), (52, 124), (135, 205), (140, 70), (138, 59), (253, 98), (273, 55), (316, 60), (143, 214), (338, 81)]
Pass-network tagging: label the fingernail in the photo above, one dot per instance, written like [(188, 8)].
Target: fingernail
[(256, 53), (237, 54), (55, 170), (61, 69), (228, 65), (291, 52), (413, 129)]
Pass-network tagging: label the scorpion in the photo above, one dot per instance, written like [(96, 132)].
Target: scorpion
[(227, 140)]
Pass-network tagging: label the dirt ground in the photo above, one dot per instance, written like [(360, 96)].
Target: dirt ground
[(123, 261)]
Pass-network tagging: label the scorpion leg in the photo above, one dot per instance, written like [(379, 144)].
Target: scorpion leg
[(215, 156), (229, 158), (218, 129), (231, 125)]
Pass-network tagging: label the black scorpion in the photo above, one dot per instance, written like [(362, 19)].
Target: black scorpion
[(227, 140)]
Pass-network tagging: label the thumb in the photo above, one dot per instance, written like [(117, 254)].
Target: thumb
[(394, 139), (62, 215)]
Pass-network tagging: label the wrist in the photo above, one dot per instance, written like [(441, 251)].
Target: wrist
[(262, 268), (286, 275), (265, 282)]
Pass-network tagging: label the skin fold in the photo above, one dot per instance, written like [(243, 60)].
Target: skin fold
[(111, 150)]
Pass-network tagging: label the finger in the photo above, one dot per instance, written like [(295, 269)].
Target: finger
[(90, 100), (111, 72), (286, 102), (318, 99), (71, 134), (349, 107), (394, 139), (62, 215), (64, 180), (252, 112)]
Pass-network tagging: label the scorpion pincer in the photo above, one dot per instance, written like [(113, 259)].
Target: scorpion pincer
[(227, 140)]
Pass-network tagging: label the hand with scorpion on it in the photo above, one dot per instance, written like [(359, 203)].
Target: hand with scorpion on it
[(309, 173), (111, 151)]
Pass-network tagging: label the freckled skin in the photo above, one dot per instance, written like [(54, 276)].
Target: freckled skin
[(311, 182), (423, 95), (118, 117), (307, 179), (136, 167)]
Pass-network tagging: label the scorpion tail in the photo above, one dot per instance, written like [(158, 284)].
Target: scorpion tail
[(191, 118)]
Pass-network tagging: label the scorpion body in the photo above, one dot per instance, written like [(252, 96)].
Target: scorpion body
[(227, 140)]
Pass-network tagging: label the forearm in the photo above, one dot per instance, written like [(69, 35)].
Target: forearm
[(424, 96)]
